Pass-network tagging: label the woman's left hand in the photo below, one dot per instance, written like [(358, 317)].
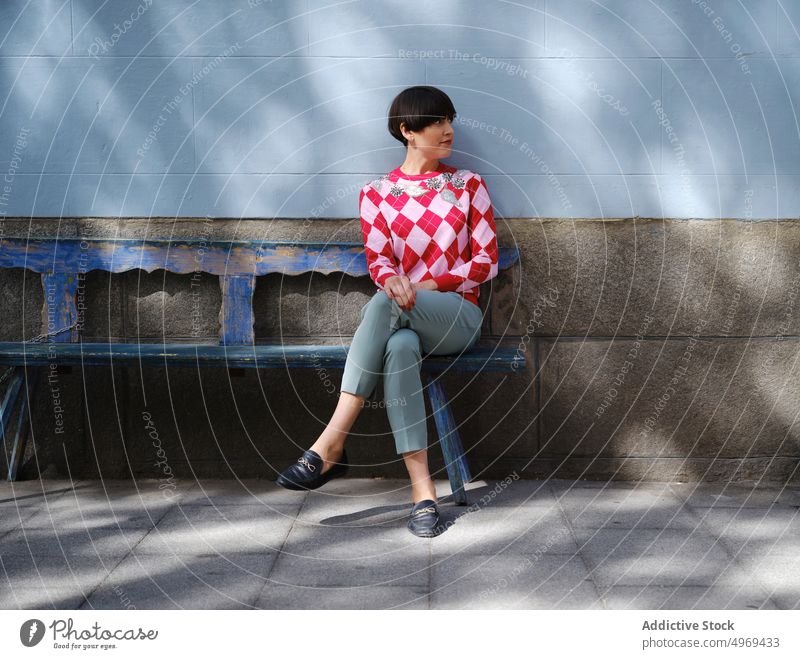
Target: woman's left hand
[(427, 285)]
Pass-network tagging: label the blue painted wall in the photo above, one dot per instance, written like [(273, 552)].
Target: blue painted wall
[(257, 108)]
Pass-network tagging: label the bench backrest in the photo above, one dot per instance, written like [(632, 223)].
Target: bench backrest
[(63, 262)]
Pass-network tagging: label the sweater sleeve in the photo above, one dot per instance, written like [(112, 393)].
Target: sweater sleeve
[(381, 261), (483, 243)]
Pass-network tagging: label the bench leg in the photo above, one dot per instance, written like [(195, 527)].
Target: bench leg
[(457, 468), (14, 401), (22, 430)]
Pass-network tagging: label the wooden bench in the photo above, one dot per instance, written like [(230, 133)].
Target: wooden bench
[(237, 264)]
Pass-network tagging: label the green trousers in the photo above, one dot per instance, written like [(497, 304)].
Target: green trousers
[(390, 343)]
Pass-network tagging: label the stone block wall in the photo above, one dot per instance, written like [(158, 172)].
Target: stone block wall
[(655, 350)]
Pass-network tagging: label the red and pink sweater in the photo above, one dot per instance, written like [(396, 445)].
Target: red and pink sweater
[(441, 228)]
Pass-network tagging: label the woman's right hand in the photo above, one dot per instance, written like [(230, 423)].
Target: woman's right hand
[(399, 288)]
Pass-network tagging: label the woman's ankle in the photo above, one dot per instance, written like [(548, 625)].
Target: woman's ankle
[(329, 452), (422, 494)]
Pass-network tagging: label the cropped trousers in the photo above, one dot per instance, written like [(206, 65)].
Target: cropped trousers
[(390, 343)]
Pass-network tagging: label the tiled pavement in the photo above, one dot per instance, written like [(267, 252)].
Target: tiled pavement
[(532, 544)]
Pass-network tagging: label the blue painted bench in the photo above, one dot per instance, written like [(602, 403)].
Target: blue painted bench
[(237, 264)]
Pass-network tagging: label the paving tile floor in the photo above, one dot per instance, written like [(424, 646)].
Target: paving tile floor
[(553, 544)]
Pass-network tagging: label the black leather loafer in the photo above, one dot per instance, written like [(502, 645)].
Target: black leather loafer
[(305, 473), (424, 519)]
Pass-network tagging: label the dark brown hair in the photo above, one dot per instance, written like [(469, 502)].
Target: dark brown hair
[(418, 107)]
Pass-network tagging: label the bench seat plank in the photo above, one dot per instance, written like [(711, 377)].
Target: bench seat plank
[(480, 358)]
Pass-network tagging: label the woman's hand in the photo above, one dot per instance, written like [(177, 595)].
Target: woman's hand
[(427, 285), (409, 293), (399, 288)]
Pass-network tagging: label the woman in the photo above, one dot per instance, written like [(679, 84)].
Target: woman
[(430, 240)]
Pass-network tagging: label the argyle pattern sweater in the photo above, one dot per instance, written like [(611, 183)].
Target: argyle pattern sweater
[(423, 236)]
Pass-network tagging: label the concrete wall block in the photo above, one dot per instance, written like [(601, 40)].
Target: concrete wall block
[(685, 398), (551, 194), (626, 28), (33, 228), (35, 28), (580, 121), (498, 416), (39, 195), (56, 440), (657, 278), (163, 304), (261, 421), (258, 424), (760, 197), (297, 115), (113, 116), (105, 408), (183, 421), (719, 122), (190, 109), (102, 294), (136, 28), (379, 30), (23, 297), (335, 196), (309, 305), (788, 17)]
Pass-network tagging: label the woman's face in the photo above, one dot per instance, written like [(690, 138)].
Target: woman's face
[(435, 140)]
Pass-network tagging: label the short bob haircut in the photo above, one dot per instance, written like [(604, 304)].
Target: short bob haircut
[(418, 107)]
